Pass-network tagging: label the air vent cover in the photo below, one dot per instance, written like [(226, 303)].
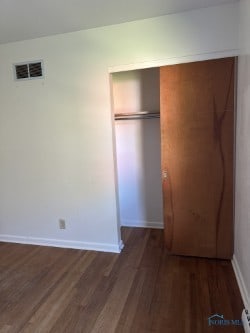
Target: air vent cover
[(28, 71), (22, 72)]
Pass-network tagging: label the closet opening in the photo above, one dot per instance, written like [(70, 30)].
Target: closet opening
[(136, 112)]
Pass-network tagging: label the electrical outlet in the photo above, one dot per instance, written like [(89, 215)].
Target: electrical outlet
[(246, 320), (62, 224)]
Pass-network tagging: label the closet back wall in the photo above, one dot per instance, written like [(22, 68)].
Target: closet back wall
[(138, 148)]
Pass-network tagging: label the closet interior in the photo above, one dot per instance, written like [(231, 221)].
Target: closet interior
[(136, 106)]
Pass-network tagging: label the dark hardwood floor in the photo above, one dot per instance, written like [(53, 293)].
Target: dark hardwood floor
[(143, 289)]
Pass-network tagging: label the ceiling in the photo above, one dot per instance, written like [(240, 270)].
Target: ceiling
[(27, 19)]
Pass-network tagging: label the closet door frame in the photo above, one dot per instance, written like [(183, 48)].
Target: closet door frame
[(143, 65)]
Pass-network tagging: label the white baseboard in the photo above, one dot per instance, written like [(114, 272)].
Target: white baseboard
[(142, 224), (241, 283), (115, 248)]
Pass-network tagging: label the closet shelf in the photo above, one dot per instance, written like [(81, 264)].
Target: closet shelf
[(137, 115)]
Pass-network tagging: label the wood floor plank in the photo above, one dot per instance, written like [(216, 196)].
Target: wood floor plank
[(143, 289), (55, 303), (85, 286)]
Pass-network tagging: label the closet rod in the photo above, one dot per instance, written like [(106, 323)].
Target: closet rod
[(137, 115)]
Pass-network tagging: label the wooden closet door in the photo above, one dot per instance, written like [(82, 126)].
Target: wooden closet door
[(197, 147)]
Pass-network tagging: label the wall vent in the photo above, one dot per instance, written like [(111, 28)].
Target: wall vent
[(28, 70)]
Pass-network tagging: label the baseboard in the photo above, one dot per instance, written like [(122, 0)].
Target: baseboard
[(141, 224), (241, 283), (115, 248)]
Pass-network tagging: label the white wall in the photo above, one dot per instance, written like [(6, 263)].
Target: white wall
[(56, 140), (138, 148), (242, 214)]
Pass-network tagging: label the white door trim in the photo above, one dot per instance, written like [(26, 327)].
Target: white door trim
[(174, 60)]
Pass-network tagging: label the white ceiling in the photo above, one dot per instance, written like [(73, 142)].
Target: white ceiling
[(27, 19)]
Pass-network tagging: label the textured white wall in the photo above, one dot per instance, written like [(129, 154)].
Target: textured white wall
[(138, 148), (242, 216), (56, 140)]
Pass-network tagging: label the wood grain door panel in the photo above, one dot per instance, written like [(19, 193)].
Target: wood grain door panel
[(197, 147)]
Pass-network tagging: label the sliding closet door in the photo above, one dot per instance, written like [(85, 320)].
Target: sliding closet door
[(197, 147)]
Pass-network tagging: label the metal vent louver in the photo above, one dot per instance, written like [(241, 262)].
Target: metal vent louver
[(22, 72), (28, 71), (35, 69)]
